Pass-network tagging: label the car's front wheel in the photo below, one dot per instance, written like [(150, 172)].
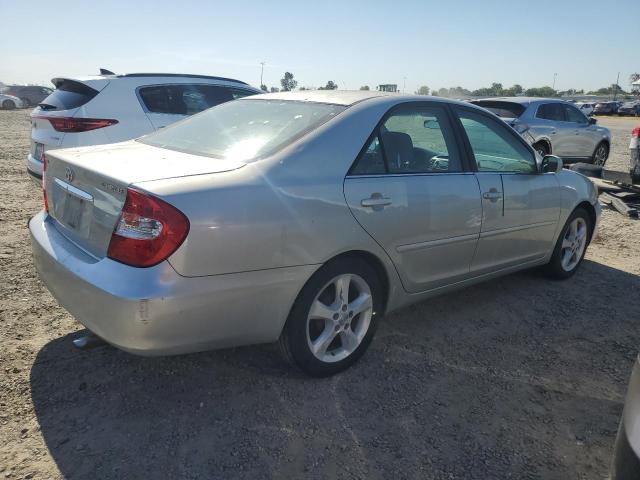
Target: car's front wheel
[(8, 105), (571, 245), (600, 154), (333, 320)]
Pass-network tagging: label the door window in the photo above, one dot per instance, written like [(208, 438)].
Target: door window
[(495, 148), (574, 115), (186, 99), (411, 140), (551, 111)]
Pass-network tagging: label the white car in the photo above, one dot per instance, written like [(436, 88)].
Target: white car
[(9, 102), (111, 108), (586, 108)]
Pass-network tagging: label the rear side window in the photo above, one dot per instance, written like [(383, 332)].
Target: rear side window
[(186, 99), (68, 95), (551, 111), (502, 109), (574, 115)]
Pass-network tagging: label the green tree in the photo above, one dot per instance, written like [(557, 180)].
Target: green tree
[(365, 87), (513, 91), (423, 90), (329, 86), (288, 83), (541, 92), (264, 88)]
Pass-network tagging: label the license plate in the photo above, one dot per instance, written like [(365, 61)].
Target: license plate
[(38, 150), (72, 211)]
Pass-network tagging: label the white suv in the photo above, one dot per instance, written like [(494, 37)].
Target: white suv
[(111, 108)]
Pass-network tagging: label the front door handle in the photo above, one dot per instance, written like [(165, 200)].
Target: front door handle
[(376, 200), (494, 195)]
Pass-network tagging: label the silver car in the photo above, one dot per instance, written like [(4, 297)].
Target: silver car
[(553, 126), (300, 218)]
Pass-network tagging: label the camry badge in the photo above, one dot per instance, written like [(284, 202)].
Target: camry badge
[(68, 174)]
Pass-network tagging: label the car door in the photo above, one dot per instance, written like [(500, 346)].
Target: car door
[(408, 189), (552, 117), (585, 140), (520, 207)]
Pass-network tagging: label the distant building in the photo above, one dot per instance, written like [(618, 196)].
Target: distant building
[(388, 87)]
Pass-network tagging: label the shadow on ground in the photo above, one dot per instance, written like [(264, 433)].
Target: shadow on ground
[(515, 378)]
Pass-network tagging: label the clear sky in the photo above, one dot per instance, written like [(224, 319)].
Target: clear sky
[(440, 44)]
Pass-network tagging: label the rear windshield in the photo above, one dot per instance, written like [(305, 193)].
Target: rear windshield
[(243, 129), (68, 95), (502, 109)]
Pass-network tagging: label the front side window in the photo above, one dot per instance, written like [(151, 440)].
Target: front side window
[(495, 148), (574, 115), (411, 140), (244, 130), (551, 111)]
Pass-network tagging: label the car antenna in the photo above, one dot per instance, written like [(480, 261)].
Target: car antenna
[(104, 71)]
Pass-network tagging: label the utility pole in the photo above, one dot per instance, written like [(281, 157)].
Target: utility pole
[(615, 89), (261, 72), (554, 81)]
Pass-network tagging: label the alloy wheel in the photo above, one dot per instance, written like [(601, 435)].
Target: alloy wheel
[(573, 244), (339, 318), (600, 156)]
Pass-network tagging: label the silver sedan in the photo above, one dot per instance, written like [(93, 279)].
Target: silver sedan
[(300, 218)]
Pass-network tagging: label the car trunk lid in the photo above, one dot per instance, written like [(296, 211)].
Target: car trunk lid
[(87, 187)]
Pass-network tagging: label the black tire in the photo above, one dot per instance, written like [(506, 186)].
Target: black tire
[(294, 340), (587, 169), (554, 268), (8, 105), (600, 154), (542, 148)]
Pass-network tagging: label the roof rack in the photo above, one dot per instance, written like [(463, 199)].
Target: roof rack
[(188, 75)]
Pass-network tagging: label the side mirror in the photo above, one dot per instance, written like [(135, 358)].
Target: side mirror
[(551, 164), (593, 121)]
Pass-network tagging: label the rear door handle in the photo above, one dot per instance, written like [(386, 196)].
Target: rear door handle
[(493, 195), (376, 200)]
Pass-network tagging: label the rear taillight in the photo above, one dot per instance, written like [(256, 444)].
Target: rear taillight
[(148, 232), (76, 125), (44, 183), (635, 133)]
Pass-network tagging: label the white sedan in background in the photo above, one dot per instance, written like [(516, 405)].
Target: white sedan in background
[(9, 102)]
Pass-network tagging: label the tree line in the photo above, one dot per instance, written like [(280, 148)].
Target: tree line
[(289, 83)]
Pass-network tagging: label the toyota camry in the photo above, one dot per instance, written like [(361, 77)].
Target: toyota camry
[(299, 217)]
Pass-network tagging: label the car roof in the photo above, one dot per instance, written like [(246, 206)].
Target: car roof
[(337, 97), (89, 78), (522, 100)]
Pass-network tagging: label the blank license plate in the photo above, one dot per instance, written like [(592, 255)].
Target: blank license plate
[(38, 150), (72, 211)]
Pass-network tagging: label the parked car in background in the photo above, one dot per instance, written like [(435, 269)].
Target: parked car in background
[(586, 108), (606, 108), (634, 155), (111, 108), (9, 102), (299, 217), (626, 451), (630, 108), (30, 95), (553, 126)]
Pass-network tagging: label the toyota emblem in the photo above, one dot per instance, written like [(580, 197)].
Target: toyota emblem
[(68, 174)]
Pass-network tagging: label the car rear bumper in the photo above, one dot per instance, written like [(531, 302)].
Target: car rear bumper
[(155, 311), (626, 453)]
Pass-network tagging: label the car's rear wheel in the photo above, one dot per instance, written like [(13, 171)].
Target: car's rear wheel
[(542, 148), (600, 154), (334, 318), (8, 105), (571, 245)]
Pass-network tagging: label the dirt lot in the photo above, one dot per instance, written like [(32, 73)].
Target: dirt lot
[(516, 378)]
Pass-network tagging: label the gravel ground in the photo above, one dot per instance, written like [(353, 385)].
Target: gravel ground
[(518, 378)]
